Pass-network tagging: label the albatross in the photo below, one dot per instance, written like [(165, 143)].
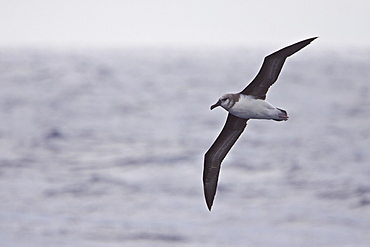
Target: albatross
[(247, 104)]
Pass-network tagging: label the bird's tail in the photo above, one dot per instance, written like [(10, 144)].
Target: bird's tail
[(282, 115)]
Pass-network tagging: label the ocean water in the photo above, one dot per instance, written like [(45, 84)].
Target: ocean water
[(105, 148)]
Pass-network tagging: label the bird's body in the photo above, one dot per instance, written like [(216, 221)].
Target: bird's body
[(249, 107), (247, 104)]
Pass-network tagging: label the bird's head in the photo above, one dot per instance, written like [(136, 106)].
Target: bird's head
[(225, 101)]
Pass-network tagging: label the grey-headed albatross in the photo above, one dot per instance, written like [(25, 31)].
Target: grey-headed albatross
[(248, 104)]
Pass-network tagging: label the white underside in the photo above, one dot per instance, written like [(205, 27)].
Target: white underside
[(250, 108)]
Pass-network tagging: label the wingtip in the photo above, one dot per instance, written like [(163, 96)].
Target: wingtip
[(313, 38), (307, 41), (209, 197)]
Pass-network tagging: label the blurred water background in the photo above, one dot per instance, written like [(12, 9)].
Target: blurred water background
[(105, 148)]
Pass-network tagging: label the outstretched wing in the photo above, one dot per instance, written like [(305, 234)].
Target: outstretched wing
[(271, 68), (233, 128)]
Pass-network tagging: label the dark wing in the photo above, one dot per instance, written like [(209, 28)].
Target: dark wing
[(233, 128), (271, 68)]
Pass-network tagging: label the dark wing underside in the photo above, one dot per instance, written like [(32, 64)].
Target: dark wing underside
[(271, 68), (233, 128)]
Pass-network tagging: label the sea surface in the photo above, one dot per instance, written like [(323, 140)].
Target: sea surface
[(105, 148)]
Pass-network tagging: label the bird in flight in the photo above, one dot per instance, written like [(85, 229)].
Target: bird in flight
[(248, 104)]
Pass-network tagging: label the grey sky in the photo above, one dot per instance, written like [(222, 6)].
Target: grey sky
[(82, 23)]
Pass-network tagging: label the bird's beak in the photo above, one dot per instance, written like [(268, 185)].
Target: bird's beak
[(215, 105)]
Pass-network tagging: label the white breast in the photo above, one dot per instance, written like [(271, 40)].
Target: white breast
[(248, 107)]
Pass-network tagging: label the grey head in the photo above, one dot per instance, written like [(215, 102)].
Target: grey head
[(226, 101)]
